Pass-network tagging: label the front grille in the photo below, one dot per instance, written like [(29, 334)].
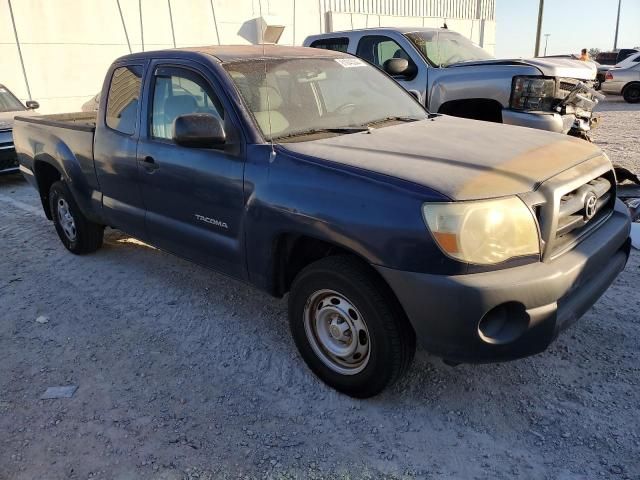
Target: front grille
[(8, 158), (566, 85), (578, 212)]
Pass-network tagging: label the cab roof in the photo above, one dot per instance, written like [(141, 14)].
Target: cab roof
[(382, 29), (235, 53)]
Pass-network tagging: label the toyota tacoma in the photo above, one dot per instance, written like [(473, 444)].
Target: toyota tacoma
[(310, 173)]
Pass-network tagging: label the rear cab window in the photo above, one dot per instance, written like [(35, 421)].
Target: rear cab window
[(123, 99), (338, 44)]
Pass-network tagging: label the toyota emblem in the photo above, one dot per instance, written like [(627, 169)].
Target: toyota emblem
[(590, 204)]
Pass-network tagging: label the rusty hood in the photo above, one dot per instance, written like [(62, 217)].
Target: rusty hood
[(462, 159)]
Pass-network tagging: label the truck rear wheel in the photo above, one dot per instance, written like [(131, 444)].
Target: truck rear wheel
[(78, 234), (631, 93), (348, 328)]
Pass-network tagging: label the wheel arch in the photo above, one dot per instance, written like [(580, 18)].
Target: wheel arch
[(46, 174), (485, 109), (293, 252)]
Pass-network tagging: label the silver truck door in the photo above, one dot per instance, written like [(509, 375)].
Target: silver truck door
[(377, 49)]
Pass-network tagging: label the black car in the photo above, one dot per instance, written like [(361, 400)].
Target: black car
[(10, 106), (611, 58)]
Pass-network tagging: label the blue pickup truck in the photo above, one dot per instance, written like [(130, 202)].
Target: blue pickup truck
[(310, 173)]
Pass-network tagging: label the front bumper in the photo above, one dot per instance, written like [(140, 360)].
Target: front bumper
[(552, 122), (446, 311)]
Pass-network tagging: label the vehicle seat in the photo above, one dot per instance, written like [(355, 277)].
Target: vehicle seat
[(266, 111), (175, 106)]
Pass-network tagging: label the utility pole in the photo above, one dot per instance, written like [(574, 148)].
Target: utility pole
[(539, 29), (546, 41), (15, 33), (615, 41)]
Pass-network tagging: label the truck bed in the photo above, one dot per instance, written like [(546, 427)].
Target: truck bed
[(65, 138), (84, 121)]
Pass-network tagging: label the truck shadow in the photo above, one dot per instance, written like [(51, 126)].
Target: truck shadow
[(11, 180), (180, 290)]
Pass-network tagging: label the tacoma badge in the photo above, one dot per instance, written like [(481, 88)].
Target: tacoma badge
[(211, 221)]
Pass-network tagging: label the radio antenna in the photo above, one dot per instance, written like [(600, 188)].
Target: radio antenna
[(272, 157)]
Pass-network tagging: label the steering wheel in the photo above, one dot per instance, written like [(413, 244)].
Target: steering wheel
[(345, 108)]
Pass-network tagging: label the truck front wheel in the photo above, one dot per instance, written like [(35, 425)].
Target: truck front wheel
[(348, 328), (78, 234)]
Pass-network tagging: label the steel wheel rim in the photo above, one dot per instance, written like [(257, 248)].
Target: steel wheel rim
[(337, 332), (66, 220)]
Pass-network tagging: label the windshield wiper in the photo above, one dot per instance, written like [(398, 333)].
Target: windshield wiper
[(312, 131), (392, 119)]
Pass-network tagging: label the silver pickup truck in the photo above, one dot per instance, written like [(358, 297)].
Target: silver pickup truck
[(449, 74)]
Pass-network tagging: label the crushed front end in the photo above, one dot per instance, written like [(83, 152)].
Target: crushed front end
[(557, 104)]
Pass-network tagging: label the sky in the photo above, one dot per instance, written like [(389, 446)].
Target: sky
[(573, 25)]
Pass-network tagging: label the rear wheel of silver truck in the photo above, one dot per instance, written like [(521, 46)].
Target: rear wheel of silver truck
[(77, 233), (348, 327)]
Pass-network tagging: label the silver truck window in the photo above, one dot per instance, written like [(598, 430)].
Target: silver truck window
[(338, 44), (123, 99), (175, 95), (291, 96), (377, 49), (443, 48)]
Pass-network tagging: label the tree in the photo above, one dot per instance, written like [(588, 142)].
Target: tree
[(593, 52)]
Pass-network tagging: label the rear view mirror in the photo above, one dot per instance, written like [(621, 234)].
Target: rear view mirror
[(399, 67), (32, 105), (199, 130)]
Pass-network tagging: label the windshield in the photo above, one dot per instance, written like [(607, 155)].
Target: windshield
[(290, 97), (444, 48), (9, 103)]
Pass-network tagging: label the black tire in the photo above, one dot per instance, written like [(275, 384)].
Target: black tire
[(88, 235), (580, 134), (631, 93), (391, 338)]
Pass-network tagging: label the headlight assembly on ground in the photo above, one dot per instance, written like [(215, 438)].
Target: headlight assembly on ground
[(483, 232)]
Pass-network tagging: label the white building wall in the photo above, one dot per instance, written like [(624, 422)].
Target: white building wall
[(67, 45)]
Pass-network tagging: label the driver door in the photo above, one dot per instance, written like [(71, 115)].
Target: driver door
[(377, 49), (193, 196)]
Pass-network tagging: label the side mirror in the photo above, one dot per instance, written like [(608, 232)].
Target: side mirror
[(198, 130), (32, 105), (399, 67)]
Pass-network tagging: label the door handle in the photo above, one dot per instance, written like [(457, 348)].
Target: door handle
[(149, 164)]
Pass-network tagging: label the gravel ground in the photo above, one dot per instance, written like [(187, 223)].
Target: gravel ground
[(183, 373), (618, 133)]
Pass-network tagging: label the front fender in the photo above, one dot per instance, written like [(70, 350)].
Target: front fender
[(377, 217), (474, 82)]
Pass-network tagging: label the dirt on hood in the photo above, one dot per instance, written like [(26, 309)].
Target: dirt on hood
[(6, 118), (462, 159)]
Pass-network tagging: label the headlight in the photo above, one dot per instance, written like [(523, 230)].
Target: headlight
[(533, 93), (483, 232)]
